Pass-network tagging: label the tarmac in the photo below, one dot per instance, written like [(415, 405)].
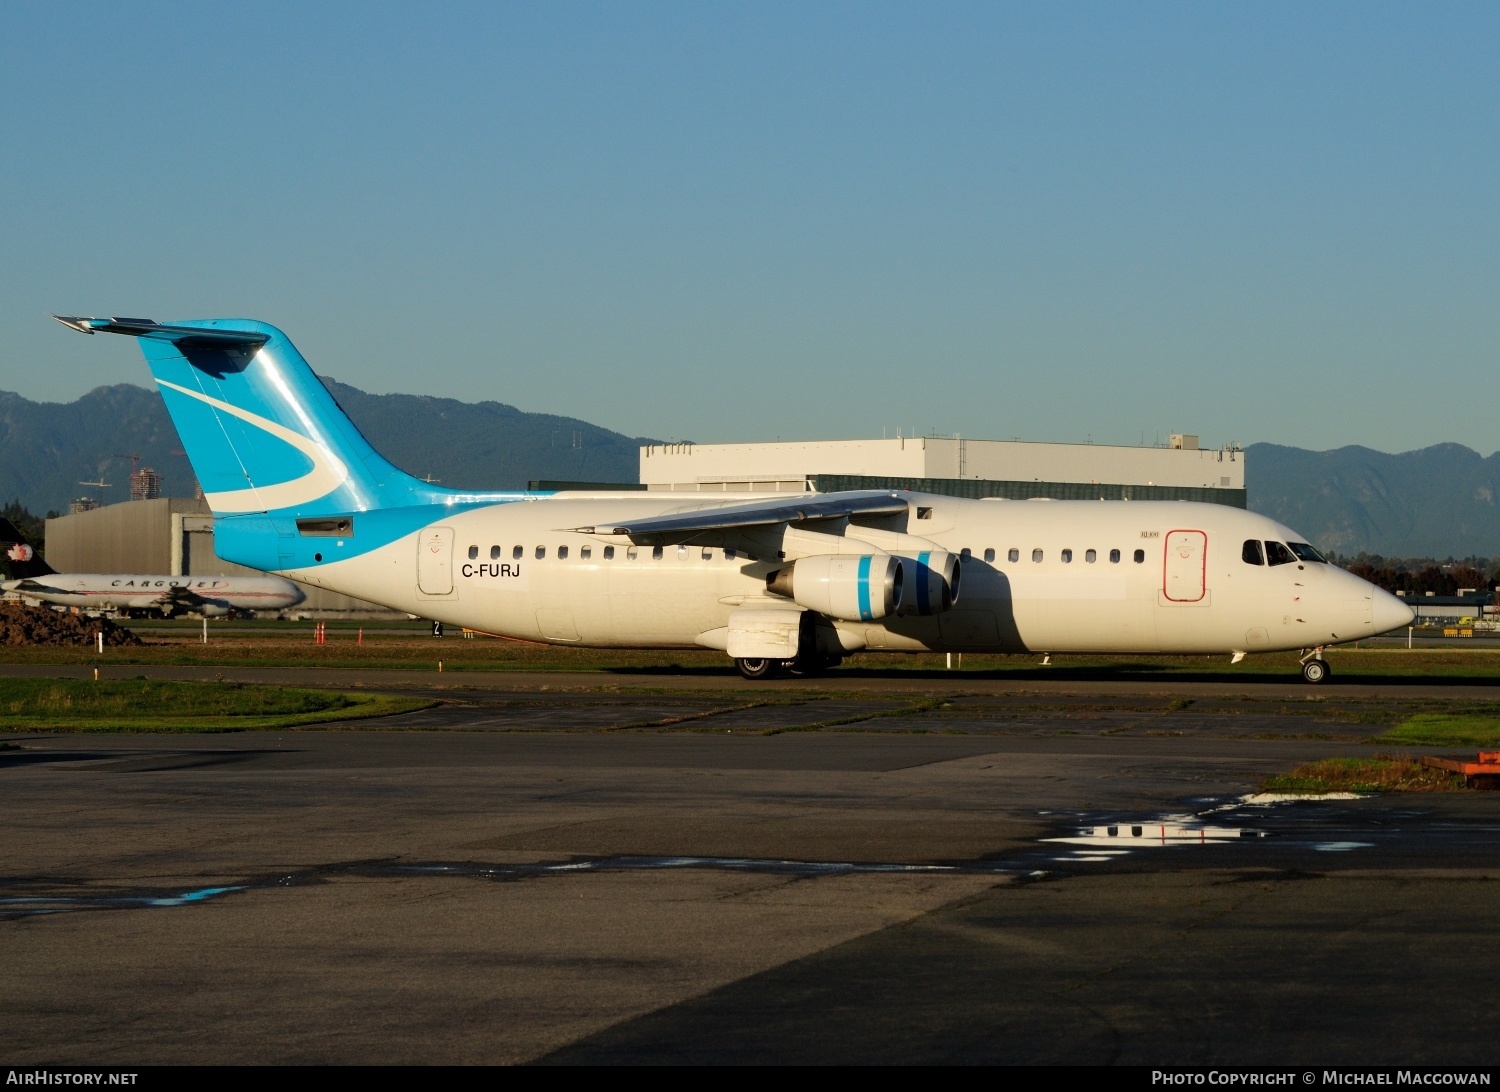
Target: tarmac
[(684, 868)]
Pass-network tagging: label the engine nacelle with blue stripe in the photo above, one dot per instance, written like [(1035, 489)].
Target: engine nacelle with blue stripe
[(931, 584), (850, 587)]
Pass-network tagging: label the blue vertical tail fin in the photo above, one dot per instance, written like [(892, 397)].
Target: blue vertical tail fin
[(262, 432)]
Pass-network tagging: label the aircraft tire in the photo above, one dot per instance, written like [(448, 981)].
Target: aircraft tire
[(1315, 671), (756, 668)]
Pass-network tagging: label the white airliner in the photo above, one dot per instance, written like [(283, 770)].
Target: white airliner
[(775, 581), (139, 594)]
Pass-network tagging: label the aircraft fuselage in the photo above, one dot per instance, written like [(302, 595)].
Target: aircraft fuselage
[(143, 592), (1044, 576)]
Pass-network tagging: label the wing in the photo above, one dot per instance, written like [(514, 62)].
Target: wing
[(35, 587), (760, 513)]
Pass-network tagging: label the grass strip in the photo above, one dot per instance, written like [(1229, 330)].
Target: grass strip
[(1380, 773), (143, 705), (1446, 730)]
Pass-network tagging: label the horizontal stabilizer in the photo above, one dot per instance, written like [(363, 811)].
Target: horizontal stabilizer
[(759, 514), (188, 337)]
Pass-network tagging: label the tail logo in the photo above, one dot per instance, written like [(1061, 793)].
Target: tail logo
[(19, 552), (327, 474)]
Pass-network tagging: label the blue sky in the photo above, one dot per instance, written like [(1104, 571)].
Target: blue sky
[(720, 222)]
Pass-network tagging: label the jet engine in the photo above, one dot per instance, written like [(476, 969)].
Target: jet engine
[(851, 587), (931, 584)]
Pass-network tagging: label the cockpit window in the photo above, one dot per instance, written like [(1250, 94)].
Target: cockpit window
[(1251, 552), (1277, 554), (1305, 552)]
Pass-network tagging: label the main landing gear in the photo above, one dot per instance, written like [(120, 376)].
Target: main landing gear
[(1315, 669), (813, 664)]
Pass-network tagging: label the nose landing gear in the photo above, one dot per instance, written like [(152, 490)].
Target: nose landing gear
[(1315, 669)]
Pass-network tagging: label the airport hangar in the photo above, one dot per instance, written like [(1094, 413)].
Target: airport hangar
[(1003, 469), (174, 535)]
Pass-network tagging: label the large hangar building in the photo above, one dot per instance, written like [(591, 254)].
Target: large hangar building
[(1014, 469)]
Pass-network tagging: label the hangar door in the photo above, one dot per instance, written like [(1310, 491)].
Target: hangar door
[(1186, 566), (435, 561)]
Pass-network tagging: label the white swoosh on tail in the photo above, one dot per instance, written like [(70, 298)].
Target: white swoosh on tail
[(327, 474)]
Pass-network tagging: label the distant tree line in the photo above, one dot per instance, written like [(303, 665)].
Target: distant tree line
[(1420, 575)]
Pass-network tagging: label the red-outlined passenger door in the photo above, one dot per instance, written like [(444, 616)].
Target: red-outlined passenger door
[(1185, 572)]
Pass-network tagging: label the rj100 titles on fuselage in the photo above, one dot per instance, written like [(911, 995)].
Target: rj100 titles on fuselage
[(772, 580)]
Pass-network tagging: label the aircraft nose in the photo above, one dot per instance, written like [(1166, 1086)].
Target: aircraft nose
[(1390, 612)]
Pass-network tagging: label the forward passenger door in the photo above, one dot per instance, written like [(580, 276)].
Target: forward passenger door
[(1186, 567)]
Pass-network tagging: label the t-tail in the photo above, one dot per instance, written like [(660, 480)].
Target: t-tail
[(268, 442)]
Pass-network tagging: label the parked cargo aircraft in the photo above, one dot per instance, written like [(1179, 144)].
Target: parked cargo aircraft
[(785, 581), (139, 593)]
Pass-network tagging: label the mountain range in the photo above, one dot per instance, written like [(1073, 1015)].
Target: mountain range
[(47, 449), (1438, 502)]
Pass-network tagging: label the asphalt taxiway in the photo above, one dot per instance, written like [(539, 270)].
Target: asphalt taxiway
[(702, 872)]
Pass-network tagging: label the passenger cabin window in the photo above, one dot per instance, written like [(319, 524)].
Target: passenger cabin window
[(1114, 557), (1013, 554), (708, 555), (989, 555), (473, 552), (541, 552), (516, 553), (965, 553), (631, 553), (1036, 556), (494, 553), (656, 553), (1251, 553), (585, 552), (1305, 552), (682, 552), (1091, 556), (609, 553), (1140, 557), (1277, 554), (1067, 557), (728, 555), (562, 553)]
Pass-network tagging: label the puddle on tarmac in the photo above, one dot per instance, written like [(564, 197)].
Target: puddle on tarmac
[(1171, 830), (1111, 837), (38, 905), (1092, 839)]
